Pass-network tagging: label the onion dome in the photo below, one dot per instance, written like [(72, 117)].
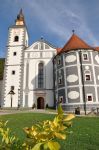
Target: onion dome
[(20, 18)]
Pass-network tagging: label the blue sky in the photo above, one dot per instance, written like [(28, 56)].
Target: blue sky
[(52, 19)]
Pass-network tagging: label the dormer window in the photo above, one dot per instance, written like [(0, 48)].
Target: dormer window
[(16, 39)]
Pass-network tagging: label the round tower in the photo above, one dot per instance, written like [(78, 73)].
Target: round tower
[(76, 71)]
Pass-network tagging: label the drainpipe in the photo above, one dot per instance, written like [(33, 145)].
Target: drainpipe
[(54, 84), (82, 77)]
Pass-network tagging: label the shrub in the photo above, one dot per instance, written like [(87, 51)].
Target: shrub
[(40, 136), (8, 141), (44, 135)]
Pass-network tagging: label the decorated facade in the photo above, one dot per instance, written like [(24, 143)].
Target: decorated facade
[(76, 72), (42, 75)]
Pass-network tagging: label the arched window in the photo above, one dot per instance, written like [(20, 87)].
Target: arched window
[(16, 39), (40, 75)]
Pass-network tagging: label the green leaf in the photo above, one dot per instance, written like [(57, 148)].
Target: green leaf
[(53, 145), (60, 110), (60, 136), (69, 117), (37, 146), (45, 146)]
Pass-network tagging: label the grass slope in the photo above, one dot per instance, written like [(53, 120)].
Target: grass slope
[(85, 134)]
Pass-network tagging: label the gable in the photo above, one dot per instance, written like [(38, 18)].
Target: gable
[(41, 45)]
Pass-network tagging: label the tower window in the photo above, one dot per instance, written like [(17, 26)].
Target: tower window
[(60, 99), (14, 53), (16, 39), (85, 56), (60, 80), (59, 61), (12, 87), (88, 77), (89, 97), (13, 72)]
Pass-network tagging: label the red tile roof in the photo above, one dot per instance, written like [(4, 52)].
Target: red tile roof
[(96, 48), (75, 43), (58, 50)]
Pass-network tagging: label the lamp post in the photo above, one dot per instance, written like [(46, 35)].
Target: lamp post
[(11, 93)]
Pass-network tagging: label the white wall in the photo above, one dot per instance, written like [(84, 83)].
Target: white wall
[(14, 63), (33, 58)]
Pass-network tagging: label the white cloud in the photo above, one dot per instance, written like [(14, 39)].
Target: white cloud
[(60, 19)]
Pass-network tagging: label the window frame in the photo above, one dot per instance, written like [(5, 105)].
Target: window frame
[(13, 72), (60, 80), (12, 87), (91, 95), (87, 76), (59, 61), (16, 38), (87, 73), (41, 75), (14, 53), (60, 99), (84, 58)]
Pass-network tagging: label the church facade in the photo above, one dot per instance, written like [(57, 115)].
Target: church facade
[(28, 72), (42, 75)]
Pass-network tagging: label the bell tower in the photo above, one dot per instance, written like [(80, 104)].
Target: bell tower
[(14, 64)]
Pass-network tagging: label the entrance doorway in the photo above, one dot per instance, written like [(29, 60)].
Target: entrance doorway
[(40, 103)]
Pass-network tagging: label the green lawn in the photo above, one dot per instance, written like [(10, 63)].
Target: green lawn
[(85, 134)]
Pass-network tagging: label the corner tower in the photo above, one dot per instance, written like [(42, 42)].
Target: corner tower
[(76, 71), (13, 73)]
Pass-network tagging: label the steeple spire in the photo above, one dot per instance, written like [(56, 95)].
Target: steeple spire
[(20, 18), (21, 11)]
